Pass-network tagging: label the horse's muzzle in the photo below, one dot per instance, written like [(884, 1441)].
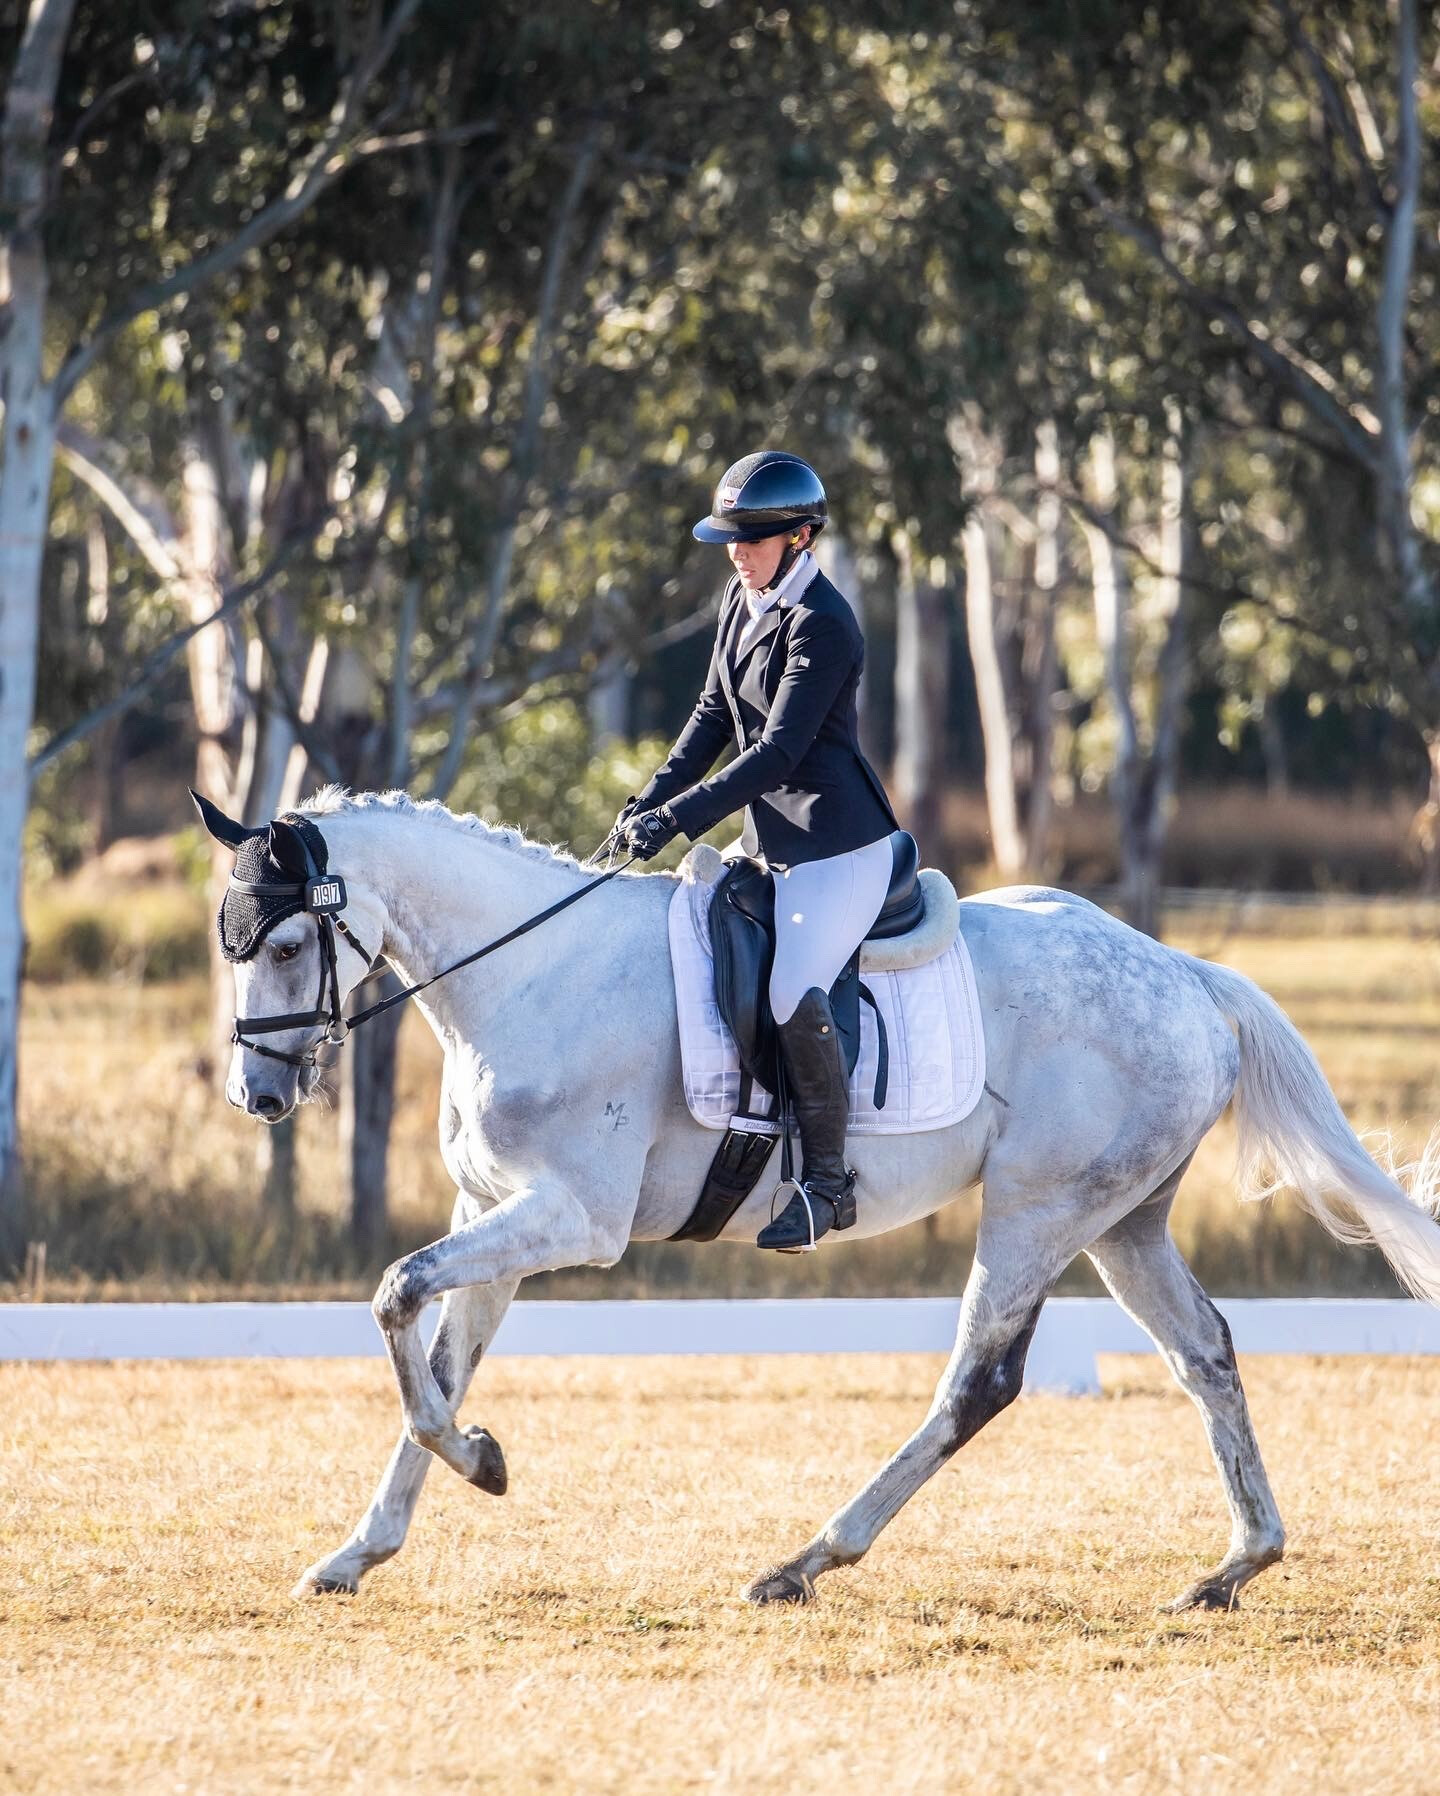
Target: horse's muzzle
[(266, 1104)]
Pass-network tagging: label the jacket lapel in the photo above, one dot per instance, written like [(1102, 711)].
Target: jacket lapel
[(735, 662), (766, 628)]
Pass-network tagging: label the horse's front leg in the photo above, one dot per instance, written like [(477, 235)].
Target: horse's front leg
[(539, 1229), (468, 1321)]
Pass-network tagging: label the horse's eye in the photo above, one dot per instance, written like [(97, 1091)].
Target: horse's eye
[(286, 950)]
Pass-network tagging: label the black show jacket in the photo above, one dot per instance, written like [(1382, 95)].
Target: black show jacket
[(788, 703)]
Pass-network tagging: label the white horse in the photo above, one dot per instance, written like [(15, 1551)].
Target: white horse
[(564, 1127)]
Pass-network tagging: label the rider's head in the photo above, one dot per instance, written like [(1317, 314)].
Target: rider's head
[(765, 510)]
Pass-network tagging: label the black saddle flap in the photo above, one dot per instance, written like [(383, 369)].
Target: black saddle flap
[(742, 941)]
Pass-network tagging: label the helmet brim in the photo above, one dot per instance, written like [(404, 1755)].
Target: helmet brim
[(708, 531)]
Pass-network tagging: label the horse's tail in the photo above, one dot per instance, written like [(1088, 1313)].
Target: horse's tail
[(1294, 1135)]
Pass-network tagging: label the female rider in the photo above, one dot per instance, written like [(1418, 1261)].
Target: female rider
[(782, 683)]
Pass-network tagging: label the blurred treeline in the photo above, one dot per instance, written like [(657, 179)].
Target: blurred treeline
[(393, 349), (1081, 311)]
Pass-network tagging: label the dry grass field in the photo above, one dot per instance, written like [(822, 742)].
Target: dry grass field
[(585, 1633)]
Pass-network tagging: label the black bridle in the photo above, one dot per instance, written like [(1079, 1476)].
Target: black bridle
[(323, 896)]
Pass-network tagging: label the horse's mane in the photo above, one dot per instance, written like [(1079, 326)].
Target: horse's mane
[(330, 800)]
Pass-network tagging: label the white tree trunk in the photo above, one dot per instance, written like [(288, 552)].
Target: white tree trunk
[(1396, 472), (1152, 825), (1142, 784), (1110, 594), (216, 688), (608, 700), (28, 450), (298, 780), (922, 665), (1042, 654), (1006, 840)]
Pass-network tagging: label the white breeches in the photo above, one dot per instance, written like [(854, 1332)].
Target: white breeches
[(823, 911)]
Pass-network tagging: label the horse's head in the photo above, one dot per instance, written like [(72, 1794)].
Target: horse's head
[(296, 958)]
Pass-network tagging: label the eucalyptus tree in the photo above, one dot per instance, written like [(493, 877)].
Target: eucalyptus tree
[(94, 171), (1244, 189)]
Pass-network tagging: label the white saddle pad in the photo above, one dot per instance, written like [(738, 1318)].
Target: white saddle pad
[(932, 1021)]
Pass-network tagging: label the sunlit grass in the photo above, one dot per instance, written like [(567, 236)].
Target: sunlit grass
[(586, 1633)]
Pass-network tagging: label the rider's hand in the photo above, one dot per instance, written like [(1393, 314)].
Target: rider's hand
[(624, 814), (646, 834)]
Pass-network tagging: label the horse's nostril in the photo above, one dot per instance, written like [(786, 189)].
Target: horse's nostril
[(264, 1104)]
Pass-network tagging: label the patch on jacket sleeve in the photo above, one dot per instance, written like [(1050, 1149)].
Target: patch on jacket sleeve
[(802, 660)]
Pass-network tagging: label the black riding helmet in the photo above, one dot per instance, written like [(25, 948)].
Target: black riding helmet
[(763, 495)]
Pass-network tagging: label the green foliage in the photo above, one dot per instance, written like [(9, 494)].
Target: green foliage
[(538, 772), (193, 857), (57, 836)]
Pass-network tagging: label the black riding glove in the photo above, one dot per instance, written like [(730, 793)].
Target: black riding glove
[(624, 814), (648, 833)]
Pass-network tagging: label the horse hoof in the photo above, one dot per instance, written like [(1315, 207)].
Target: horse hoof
[(490, 1473), (1208, 1594), (322, 1583), (781, 1586)]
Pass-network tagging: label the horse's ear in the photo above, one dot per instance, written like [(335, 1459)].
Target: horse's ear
[(287, 848), (224, 829)]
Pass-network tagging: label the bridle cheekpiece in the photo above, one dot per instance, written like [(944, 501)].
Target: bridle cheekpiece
[(317, 893)]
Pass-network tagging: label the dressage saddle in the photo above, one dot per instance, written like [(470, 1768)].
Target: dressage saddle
[(742, 943)]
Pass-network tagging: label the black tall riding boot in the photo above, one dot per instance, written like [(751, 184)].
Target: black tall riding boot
[(815, 1070)]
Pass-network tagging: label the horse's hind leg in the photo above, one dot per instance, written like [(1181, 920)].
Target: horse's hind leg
[(1143, 1270), (1008, 1284), (468, 1321)]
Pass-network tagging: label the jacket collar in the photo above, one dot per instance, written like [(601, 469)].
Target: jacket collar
[(792, 590)]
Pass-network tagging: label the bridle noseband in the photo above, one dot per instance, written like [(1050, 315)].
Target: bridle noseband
[(323, 896)]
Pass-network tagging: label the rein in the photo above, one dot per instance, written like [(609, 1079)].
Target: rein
[(324, 898)]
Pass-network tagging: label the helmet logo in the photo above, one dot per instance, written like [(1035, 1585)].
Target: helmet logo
[(729, 497)]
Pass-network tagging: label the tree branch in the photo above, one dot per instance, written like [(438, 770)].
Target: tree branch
[(526, 448), (440, 136), (88, 117), (138, 508), (329, 158), (682, 629), (292, 709), (1310, 386), (1337, 110), (1228, 591), (158, 660)]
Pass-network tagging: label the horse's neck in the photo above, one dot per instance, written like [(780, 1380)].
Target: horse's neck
[(445, 890)]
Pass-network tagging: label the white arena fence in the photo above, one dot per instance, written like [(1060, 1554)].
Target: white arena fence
[(1072, 1330)]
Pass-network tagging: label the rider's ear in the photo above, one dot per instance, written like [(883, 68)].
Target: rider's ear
[(287, 848), (224, 829)]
